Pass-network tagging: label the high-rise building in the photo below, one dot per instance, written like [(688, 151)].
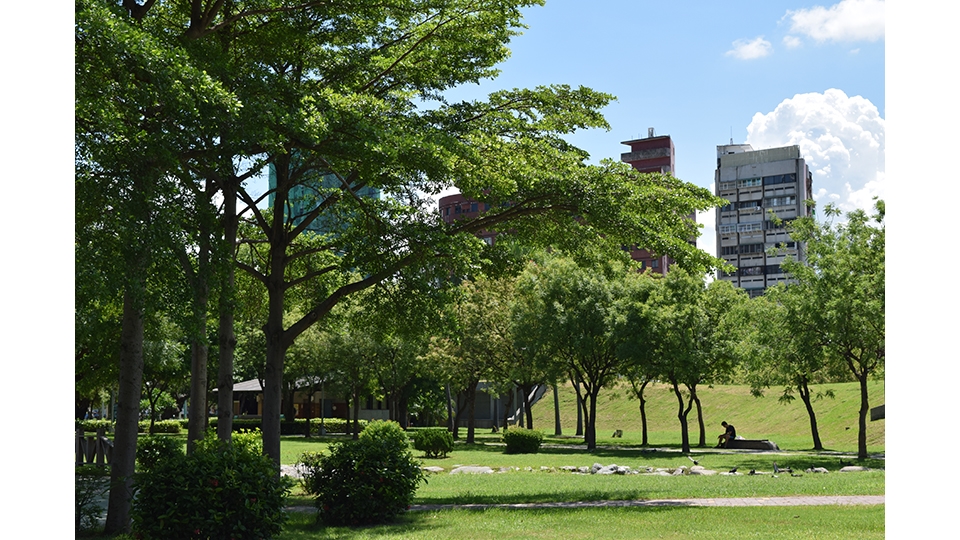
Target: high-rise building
[(766, 189), (653, 154), (304, 197)]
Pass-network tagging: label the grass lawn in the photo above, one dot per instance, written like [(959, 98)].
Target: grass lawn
[(796, 522), (787, 425)]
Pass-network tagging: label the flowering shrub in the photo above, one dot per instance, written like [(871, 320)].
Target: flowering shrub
[(220, 491), (370, 480)]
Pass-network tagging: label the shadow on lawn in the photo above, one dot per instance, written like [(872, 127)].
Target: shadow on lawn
[(412, 524)]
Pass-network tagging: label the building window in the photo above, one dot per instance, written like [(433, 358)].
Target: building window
[(787, 200), (474, 207), (779, 179), (749, 182), (655, 263)]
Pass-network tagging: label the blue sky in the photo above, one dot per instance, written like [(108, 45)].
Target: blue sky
[(769, 73)]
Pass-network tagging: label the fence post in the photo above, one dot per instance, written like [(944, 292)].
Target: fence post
[(80, 446), (100, 447)]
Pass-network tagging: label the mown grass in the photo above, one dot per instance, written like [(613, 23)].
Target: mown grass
[(797, 522), (755, 418), (761, 418)]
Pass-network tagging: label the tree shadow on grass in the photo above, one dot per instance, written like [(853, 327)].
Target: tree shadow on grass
[(419, 523)]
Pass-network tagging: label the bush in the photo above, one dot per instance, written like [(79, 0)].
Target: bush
[(369, 480), (434, 442), (334, 425), (155, 448), (219, 491), (90, 485), (160, 426), (522, 441), (92, 425)]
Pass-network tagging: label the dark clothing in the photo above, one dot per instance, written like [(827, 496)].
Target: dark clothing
[(731, 432)]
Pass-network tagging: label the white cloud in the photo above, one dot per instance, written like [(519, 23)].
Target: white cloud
[(840, 137), (750, 50), (849, 20), (792, 42)]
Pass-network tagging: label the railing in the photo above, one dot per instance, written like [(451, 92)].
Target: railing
[(93, 449)]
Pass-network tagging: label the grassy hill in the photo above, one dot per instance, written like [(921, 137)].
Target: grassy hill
[(755, 418)]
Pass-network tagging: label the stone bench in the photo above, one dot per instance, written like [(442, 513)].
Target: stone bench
[(749, 444)]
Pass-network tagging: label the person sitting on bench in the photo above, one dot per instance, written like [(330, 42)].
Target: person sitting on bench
[(726, 436)]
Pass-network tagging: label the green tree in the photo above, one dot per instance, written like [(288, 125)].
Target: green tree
[(691, 346), (778, 347), (336, 90), (843, 278), (638, 344), (578, 311)]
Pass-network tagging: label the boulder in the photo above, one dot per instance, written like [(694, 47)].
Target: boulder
[(854, 468), (472, 470)]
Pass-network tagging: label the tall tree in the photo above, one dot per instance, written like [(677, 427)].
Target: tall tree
[(139, 106), (333, 90), (578, 311), (844, 279), (777, 346), (638, 346), (691, 346)]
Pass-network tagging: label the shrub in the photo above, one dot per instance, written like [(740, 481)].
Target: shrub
[(522, 441), (334, 425), (92, 425), (155, 448), (369, 480), (219, 491), (434, 442), (160, 426), (90, 484)]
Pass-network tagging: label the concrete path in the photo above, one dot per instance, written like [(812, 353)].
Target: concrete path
[(733, 501)]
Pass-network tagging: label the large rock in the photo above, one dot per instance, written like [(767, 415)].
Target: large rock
[(854, 468), (472, 470)]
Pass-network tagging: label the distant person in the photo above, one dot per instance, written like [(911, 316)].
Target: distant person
[(726, 436)]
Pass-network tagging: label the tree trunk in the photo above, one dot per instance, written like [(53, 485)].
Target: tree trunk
[(557, 430), (227, 338), (591, 421), (451, 421), (506, 410), (864, 410), (682, 416), (128, 408), (197, 420), (804, 391), (696, 400), (576, 388), (471, 411), (527, 405), (643, 411), (272, 397)]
